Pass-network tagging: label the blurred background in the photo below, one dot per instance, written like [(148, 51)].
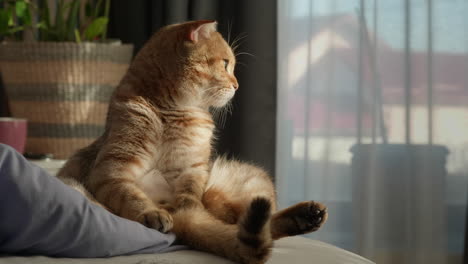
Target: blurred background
[(359, 104), (373, 120)]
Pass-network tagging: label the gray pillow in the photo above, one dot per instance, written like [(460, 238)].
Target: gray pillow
[(42, 216)]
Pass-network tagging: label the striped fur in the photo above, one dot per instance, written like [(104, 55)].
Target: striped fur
[(152, 164)]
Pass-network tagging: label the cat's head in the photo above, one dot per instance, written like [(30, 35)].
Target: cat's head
[(200, 60)]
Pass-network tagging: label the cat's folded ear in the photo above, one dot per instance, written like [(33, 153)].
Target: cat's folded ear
[(201, 29)]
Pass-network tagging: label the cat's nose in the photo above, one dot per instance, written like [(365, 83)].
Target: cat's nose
[(235, 86)]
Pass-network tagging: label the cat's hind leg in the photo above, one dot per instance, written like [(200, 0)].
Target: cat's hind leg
[(248, 242), (233, 185)]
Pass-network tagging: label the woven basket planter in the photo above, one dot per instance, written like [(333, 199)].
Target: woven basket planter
[(62, 89)]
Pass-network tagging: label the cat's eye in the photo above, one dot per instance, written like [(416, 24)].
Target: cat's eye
[(226, 64)]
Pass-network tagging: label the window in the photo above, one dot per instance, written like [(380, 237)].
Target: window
[(389, 76)]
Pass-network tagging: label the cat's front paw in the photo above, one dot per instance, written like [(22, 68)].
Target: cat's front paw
[(158, 219), (187, 201)]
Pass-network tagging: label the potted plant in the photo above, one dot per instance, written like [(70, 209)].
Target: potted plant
[(59, 70)]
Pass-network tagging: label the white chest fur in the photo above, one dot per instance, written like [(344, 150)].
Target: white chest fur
[(185, 142)]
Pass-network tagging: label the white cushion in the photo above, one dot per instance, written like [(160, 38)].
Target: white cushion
[(287, 250)]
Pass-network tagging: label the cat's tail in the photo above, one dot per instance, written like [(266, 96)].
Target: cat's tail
[(248, 242)]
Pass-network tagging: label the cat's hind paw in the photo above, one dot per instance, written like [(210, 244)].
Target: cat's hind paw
[(301, 218), (310, 216)]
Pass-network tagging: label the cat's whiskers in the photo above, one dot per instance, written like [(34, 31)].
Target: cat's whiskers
[(238, 54), (209, 97), (215, 113), (229, 32), (227, 110), (218, 116), (220, 113), (241, 64), (238, 41), (244, 53)]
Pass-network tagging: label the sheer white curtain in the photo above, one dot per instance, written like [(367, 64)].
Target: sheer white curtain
[(373, 121)]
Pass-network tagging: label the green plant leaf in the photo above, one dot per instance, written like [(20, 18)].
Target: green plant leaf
[(106, 14), (64, 24), (97, 8), (14, 30), (88, 9), (59, 20), (44, 12), (26, 19), (21, 8), (11, 21), (77, 36), (42, 25), (4, 21), (44, 15), (72, 19), (49, 34), (97, 27)]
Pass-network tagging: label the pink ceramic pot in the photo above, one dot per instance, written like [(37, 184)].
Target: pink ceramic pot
[(13, 132)]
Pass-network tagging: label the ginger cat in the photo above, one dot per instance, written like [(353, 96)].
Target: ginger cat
[(152, 164)]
